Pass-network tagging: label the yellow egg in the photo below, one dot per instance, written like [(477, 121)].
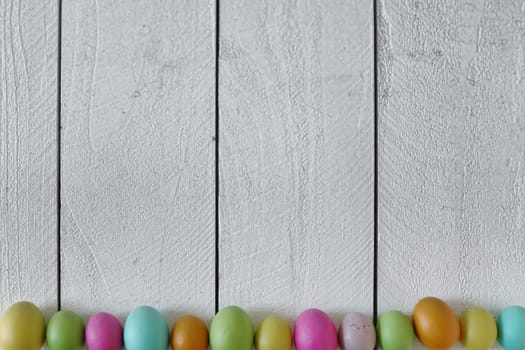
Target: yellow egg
[(478, 329), (22, 327), (273, 334)]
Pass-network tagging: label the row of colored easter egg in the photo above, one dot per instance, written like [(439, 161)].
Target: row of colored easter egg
[(433, 322), (232, 329), (22, 327), (436, 326)]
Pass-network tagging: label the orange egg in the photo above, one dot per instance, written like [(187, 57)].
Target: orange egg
[(436, 325), (189, 333)]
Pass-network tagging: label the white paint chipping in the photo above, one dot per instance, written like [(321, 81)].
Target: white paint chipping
[(28, 129), (452, 147), (296, 156), (138, 157)]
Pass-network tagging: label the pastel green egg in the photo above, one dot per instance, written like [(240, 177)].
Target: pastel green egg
[(511, 328), (22, 327), (478, 329), (65, 331), (273, 333), (395, 331), (231, 329)]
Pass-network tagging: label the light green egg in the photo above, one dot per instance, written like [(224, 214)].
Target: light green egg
[(65, 331), (231, 329), (395, 331)]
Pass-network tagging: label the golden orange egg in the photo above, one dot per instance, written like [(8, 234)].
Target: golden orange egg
[(436, 325), (189, 333)]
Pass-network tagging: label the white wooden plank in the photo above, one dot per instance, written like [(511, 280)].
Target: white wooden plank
[(138, 156), (296, 156), (28, 153), (451, 155)]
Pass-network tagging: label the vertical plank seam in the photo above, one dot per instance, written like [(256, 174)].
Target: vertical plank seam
[(376, 163), (217, 21), (59, 152)]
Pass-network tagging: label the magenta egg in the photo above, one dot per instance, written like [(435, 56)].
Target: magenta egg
[(314, 330), (104, 332), (357, 332)]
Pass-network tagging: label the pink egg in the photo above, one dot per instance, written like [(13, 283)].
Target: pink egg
[(104, 332), (314, 330), (357, 332)]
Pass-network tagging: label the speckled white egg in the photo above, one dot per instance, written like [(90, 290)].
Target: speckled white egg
[(357, 332)]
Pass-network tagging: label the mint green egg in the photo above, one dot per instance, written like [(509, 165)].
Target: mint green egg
[(146, 329), (65, 331), (395, 331), (511, 328), (231, 329)]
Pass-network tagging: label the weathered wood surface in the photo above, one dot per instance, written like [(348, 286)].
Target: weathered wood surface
[(451, 153), (296, 156), (138, 156), (28, 153)]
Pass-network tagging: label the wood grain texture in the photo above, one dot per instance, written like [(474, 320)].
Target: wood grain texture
[(138, 181), (28, 153), (296, 156), (452, 153)]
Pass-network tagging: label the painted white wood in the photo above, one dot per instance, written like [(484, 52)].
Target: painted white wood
[(138, 156), (28, 153), (451, 155), (296, 156)]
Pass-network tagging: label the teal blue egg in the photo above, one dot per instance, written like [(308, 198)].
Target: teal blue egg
[(511, 328), (146, 329)]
